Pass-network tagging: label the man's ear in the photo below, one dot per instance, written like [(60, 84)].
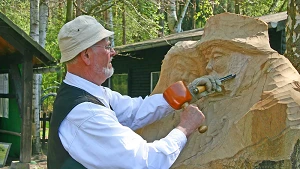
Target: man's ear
[(85, 57)]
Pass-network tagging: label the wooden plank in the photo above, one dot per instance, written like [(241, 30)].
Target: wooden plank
[(10, 133), (11, 96), (16, 37), (4, 71), (27, 80), (15, 76), (10, 37), (14, 58)]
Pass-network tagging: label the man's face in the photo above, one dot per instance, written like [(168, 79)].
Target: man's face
[(98, 60), (103, 55)]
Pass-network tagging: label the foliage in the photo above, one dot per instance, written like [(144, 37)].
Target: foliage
[(204, 11), (260, 7), (11, 7), (119, 83), (142, 18)]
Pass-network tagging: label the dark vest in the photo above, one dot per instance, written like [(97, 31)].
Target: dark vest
[(67, 98)]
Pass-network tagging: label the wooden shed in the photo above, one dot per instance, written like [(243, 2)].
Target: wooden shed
[(19, 55), (137, 65)]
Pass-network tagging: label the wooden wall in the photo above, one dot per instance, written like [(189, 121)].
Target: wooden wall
[(139, 66)]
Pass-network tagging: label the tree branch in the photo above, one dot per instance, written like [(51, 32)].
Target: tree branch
[(282, 6), (179, 23), (92, 8), (82, 11), (273, 6)]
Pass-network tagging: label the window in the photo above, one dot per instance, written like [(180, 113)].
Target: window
[(154, 80), (4, 90), (119, 83)]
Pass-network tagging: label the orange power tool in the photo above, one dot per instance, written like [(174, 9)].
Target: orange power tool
[(178, 96)]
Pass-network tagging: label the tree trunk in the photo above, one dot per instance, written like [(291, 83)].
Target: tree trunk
[(172, 15), (78, 11), (34, 34), (161, 12), (237, 6), (174, 23), (230, 6), (43, 14), (193, 9), (37, 78), (124, 25), (37, 85), (110, 23), (69, 14), (183, 12), (293, 33), (34, 20)]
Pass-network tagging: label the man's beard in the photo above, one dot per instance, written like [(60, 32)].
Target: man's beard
[(108, 72)]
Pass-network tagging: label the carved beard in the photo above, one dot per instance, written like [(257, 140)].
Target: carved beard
[(238, 66)]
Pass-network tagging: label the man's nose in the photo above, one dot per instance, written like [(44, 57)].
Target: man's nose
[(113, 52)]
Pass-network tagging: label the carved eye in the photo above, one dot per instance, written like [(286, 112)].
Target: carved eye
[(217, 55)]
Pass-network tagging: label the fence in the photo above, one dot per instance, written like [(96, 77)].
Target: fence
[(46, 116), (45, 130)]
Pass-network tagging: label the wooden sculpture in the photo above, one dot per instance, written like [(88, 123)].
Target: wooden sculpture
[(255, 121)]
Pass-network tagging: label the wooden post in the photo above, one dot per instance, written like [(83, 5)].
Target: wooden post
[(44, 129), (27, 77), (16, 79)]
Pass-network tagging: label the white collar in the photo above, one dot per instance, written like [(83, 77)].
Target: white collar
[(95, 90)]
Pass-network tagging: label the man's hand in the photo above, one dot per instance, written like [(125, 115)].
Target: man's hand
[(190, 119), (211, 83)]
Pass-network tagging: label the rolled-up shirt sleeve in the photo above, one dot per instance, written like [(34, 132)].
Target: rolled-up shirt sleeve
[(138, 112), (96, 139)]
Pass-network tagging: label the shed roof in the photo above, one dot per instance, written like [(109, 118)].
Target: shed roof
[(274, 21), (15, 44)]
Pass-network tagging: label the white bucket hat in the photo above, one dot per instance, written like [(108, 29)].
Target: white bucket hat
[(78, 35)]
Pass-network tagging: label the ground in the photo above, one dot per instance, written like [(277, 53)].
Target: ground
[(37, 162)]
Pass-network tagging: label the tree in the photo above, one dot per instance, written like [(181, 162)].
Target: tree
[(110, 22), (78, 7), (37, 78), (124, 25), (43, 23), (293, 34), (175, 23), (34, 20), (69, 13)]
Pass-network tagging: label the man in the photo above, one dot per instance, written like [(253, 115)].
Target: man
[(254, 122), (92, 126)]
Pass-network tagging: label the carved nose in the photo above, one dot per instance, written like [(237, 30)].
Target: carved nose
[(209, 67)]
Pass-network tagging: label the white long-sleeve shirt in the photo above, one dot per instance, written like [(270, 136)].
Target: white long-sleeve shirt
[(98, 137)]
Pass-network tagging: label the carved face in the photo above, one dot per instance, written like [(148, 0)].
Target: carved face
[(218, 62), (223, 61)]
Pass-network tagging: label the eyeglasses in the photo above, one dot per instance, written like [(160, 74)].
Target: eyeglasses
[(108, 47)]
